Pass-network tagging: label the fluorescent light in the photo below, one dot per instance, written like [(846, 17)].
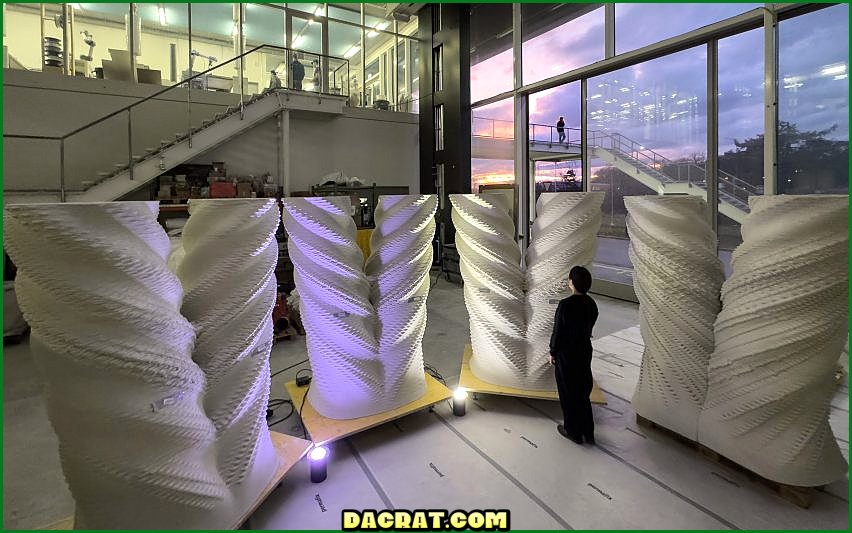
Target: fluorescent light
[(372, 33), (382, 25), (354, 49), (319, 11), (162, 12)]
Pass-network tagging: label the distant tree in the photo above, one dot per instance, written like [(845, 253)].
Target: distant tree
[(808, 161)]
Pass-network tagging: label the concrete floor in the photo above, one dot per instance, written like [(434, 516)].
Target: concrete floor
[(504, 454)]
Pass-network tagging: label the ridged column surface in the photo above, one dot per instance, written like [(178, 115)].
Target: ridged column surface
[(228, 275), (398, 270), (490, 264), (782, 325), (123, 393), (335, 306), (564, 235), (677, 276)]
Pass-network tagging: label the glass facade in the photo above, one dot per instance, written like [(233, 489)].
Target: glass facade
[(645, 124), (174, 41), (813, 103)]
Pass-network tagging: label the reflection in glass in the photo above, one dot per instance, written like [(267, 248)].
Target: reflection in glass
[(661, 21), (493, 145), (740, 134), (490, 50), (559, 38), (813, 104), (647, 135)]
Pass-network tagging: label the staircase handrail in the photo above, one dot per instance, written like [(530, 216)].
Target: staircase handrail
[(188, 83), (656, 160), (185, 81)]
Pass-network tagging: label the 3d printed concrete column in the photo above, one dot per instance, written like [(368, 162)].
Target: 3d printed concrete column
[(490, 263), (677, 277), (564, 235), (123, 393), (335, 306), (228, 275), (398, 269), (783, 323)]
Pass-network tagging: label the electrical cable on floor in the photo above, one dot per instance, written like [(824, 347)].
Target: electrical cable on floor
[(289, 367), (305, 397), (292, 410)]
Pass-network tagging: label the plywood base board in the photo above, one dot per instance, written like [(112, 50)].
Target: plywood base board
[(322, 429), (470, 382), (289, 450)]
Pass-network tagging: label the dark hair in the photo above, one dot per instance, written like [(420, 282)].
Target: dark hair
[(581, 278)]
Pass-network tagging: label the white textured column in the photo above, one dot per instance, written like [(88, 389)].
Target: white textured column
[(335, 306), (490, 264), (783, 322), (564, 235), (228, 275), (123, 393), (677, 277), (398, 270)]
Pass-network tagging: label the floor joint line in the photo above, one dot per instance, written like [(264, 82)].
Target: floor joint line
[(373, 481), (505, 473), (648, 476)]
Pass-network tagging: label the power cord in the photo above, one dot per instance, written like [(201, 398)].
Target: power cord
[(302, 420), (273, 404), (288, 368)]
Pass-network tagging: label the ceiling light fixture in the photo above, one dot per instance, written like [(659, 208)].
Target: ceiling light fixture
[(354, 49), (162, 13)]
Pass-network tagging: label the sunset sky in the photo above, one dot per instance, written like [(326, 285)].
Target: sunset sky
[(661, 104)]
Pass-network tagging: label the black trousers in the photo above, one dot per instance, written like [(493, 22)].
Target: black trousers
[(574, 386)]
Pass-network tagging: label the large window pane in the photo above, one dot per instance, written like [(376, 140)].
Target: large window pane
[(638, 25), (559, 38), (265, 25), (215, 39), (164, 42), (490, 50), (492, 145), (740, 134), (555, 154), (813, 106), (647, 135), (344, 41)]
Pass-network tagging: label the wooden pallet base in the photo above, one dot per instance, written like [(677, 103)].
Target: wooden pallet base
[(289, 450), (323, 430), (469, 381), (800, 496)]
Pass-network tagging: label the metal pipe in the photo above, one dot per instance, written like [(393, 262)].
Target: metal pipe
[(130, 142), (61, 170), (189, 69), (711, 165), (584, 136), (241, 18), (770, 95)]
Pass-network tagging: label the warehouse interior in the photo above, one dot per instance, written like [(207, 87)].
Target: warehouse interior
[(346, 104)]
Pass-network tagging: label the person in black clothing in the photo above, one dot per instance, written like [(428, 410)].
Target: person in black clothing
[(571, 354), (298, 70), (560, 128)]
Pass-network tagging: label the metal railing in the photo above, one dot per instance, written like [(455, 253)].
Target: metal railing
[(491, 128), (327, 69), (669, 171)]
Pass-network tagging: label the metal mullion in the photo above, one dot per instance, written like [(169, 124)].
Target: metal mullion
[(712, 163)]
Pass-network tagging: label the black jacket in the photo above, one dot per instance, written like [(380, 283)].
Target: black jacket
[(572, 327)]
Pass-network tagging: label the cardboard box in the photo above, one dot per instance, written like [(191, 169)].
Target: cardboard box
[(244, 190), (222, 190)]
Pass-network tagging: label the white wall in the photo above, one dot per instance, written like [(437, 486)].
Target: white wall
[(376, 146)]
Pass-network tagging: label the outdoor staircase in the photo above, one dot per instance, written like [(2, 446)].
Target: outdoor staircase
[(682, 177)]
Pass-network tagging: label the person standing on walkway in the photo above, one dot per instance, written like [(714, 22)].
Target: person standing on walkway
[(560, 129), (571, 355)]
